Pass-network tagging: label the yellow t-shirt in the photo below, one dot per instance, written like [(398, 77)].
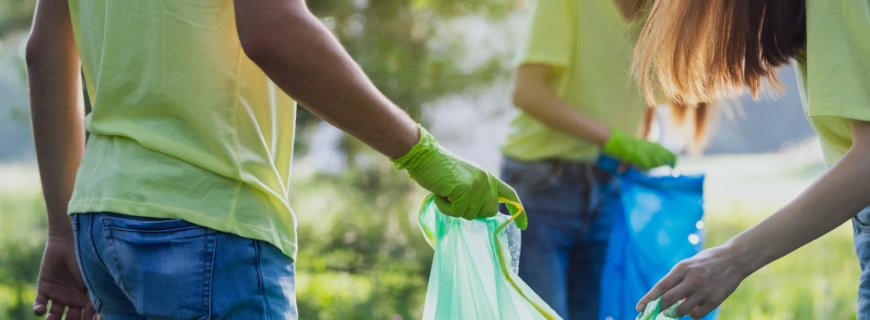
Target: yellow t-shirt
[(590, 44), (184, 125), (835, 78)]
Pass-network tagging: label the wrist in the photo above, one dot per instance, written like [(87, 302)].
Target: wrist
[(60, 228), (745, 258), (417, 153), (61, 235), (605, 136), (613, 137)]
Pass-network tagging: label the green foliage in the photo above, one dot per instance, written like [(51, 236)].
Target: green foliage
[(394, 42), (818, 281), (22, 238), (408, 51), (15, 15), (368, 259)]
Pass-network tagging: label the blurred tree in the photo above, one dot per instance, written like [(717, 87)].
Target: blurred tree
[(22, 238), (15, 15), (407, 50)]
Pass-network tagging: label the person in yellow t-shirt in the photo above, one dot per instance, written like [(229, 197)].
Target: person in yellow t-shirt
[(829, 40), (178, 206), (576, 100)]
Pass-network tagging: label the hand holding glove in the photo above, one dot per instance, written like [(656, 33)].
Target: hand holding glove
[(639, 152), (462, 188)]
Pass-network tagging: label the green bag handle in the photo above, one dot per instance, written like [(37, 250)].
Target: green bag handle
[(504, 263), (654, 311)]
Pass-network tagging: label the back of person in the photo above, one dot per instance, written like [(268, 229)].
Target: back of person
[(184, 125), (182, 191), (576, 100), (177, 208)]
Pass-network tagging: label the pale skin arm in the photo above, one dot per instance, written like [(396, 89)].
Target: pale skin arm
[(59, 135), (707, 279), (532, 95), (306, 61)]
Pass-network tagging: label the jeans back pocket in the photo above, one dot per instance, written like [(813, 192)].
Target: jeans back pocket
[(164, 266)]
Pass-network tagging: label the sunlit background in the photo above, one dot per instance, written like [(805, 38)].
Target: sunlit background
[(447, 62)]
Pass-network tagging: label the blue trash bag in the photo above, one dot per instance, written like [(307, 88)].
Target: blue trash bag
[(660, 224)]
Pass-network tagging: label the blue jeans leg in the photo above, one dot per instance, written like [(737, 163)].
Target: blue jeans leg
[(587, 260), (544, 260), (861, 227), (144, 268), (564, 247)]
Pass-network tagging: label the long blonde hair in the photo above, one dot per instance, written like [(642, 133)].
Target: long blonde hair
[(701, 51)]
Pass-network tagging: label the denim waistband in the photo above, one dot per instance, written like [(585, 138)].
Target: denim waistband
[(560, 168)]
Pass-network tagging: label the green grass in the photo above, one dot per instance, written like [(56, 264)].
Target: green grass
[(362, 255), (818, 281), (22, 236)]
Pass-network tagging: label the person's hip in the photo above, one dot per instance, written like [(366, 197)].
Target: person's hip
[(559, 188), (171, 268)]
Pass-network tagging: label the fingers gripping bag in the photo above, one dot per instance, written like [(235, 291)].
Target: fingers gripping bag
[(660, 224), (474, 271)]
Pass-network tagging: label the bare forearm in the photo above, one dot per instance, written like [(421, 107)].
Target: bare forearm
[(537, 100), (555, 113), (833, 199), (305, 60), (57, 116), (704, 281)]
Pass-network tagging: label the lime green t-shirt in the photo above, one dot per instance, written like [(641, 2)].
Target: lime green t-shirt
[(184, 125), (835, 77), (590, 44)]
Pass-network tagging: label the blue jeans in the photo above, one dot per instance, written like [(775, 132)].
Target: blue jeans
[(861, 228), (159, 269), (563, 249)]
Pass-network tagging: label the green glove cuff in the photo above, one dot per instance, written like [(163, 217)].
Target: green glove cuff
[(613, 143), (419, 153)]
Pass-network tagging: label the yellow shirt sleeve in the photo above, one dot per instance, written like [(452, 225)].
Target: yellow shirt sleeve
[(835, 76), (837, 83), (548, 37)]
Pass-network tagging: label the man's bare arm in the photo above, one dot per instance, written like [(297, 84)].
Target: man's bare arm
[(305, 60), (56, 108), (59, 134)]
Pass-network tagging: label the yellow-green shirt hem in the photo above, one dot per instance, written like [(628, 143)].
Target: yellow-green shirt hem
[(522, 156)]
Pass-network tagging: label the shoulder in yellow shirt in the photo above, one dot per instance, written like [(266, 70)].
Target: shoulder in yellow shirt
[(835, 77)]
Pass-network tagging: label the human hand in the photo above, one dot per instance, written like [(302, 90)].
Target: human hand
[(704, 281), (638, 152), (60, 282), (653, 309), (462, 188)]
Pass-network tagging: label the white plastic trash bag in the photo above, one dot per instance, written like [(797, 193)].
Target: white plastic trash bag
[(474, 274)]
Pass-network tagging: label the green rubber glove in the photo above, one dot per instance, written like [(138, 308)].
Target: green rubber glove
[(462, 188), (638, 152)]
